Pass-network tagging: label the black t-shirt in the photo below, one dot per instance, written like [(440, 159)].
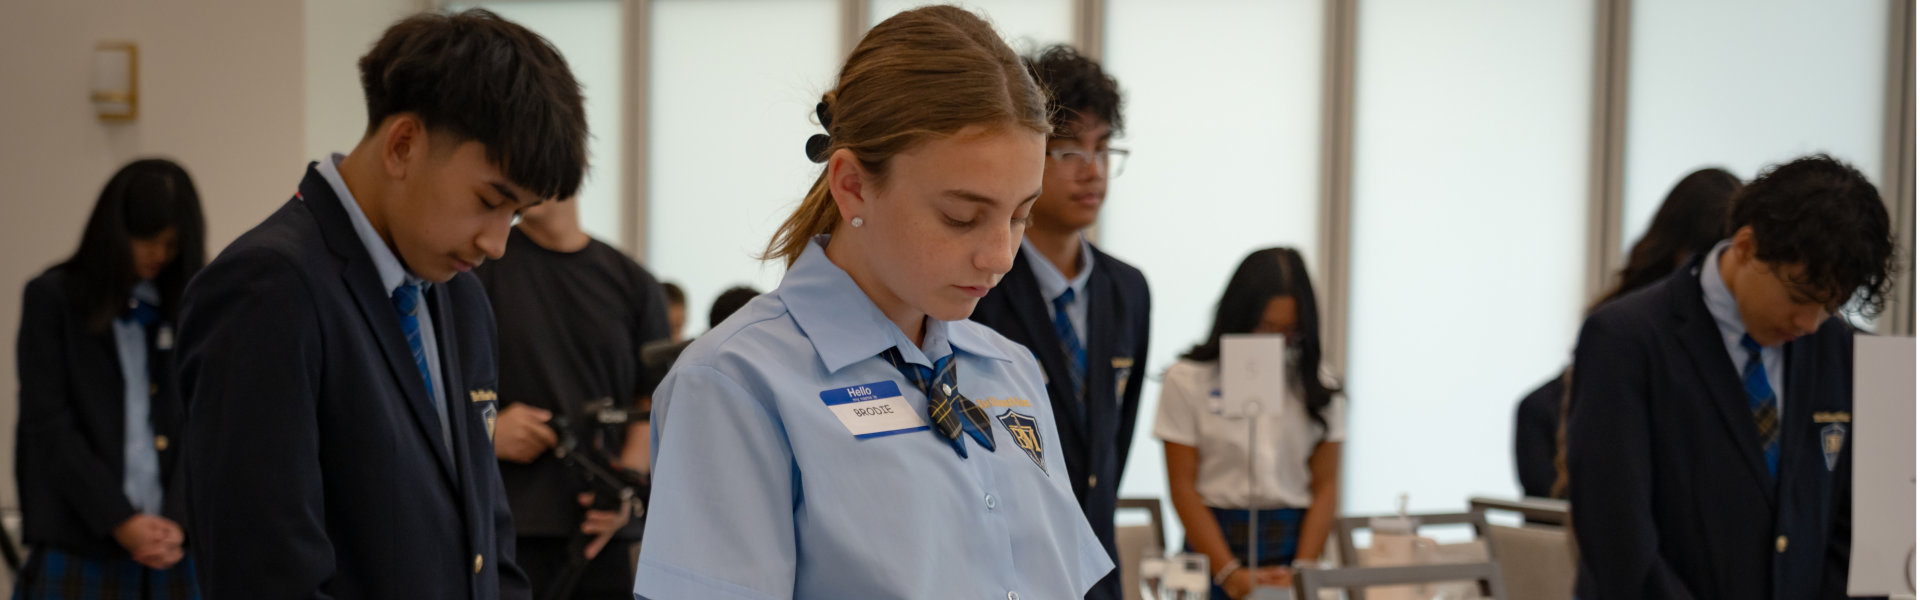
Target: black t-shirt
[(571, 328)]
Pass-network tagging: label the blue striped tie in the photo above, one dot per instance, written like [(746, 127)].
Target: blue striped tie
[(1070, 343), (406, 300), (1766, 414)]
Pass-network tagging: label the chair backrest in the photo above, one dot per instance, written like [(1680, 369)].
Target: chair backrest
[(1308, 583), (1538, 558), (1545, 511), (1132, 542)]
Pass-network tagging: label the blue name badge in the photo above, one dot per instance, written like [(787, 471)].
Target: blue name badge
[(872, 410)]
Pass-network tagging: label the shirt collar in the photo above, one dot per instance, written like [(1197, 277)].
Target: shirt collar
[(1719, 299), (1052, 281), (392, 273), (844, 325)]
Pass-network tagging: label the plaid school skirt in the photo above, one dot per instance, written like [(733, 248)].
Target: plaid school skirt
[(54, 575), (1279, 537)]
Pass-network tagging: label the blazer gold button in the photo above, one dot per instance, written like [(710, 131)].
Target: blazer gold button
[(153, 389), (160, 443), (1092, 481), (1780, 544), (477, 561)]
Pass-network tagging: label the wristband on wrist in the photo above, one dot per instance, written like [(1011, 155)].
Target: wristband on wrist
[(1226, 571)]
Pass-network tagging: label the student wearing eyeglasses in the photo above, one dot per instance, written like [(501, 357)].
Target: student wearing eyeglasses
[(1081, 311)]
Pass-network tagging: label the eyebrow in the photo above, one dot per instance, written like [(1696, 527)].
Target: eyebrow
[(506, 191), (983, 199)]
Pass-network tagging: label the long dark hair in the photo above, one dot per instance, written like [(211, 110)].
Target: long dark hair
[(1263, 276), (1690, 221), (140, 201)]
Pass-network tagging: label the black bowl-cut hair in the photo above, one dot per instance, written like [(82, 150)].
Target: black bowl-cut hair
[(1076, 85), (484, 78), (1823, 215)]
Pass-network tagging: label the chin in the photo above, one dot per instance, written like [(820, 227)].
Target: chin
[(958, 311)]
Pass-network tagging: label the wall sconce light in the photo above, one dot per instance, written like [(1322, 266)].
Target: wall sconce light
[(116, 81)]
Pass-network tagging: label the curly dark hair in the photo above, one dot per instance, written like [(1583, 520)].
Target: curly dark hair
[(1075, 86), (1824, 215)]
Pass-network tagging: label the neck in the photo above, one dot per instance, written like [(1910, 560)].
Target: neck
[(1060, 247), (556, 234), (843, 252), (361, 171)]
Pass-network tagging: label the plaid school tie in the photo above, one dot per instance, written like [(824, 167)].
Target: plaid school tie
[(1760, 399), (943, 398)]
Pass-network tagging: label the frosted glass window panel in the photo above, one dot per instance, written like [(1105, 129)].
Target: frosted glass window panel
[(1028, 25), (590, 35), (1222, 109), (1469, 204), (732, 91), (1742, 85)]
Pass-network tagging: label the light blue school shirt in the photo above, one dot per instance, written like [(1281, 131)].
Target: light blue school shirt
[(392, 276), (1726, 316), (141, 478), (759, 491), (1053, 283)]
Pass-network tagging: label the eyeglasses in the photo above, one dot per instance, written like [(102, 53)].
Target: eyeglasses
[(1114, 160)]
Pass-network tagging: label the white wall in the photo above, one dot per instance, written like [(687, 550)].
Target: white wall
[(220, 92)]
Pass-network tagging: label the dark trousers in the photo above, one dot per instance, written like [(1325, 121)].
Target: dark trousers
[(608, 577)]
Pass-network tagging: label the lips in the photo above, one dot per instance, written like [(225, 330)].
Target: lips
[(976, 291), (464, 266)]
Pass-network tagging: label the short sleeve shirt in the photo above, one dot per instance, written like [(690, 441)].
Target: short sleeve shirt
[(1191, 414), (761, 491)]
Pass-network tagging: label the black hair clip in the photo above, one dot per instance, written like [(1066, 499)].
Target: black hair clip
[(818, 144)]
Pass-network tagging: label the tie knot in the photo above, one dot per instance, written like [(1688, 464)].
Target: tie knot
[(1747, 341), (1060, 302), (406, 298)]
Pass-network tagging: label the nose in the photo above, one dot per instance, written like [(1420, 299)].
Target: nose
[(996, 257), (1808, 320), (493, 239)]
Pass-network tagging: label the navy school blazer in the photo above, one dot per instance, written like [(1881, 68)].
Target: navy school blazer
[(319, 469), (1094, 435), (69, 455), (1669, 489)]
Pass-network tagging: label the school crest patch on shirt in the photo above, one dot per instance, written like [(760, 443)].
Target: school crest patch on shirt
[(1026, 435)]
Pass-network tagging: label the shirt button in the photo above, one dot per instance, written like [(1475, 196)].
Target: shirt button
[(1013, 595), (1780, 544), (477, 562), (991, 503), (160, 443)]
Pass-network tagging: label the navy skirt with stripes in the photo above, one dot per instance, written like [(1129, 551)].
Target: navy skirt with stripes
[(54, 575), (1279, 537)]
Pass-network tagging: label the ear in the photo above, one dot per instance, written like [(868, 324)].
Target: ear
[(403, 143), (849, 183), (1744, 246)]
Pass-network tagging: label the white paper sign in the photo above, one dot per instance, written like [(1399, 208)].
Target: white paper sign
[(1253, 374), (1883, 467)]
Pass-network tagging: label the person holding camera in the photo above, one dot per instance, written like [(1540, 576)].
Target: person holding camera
[(574, 314)]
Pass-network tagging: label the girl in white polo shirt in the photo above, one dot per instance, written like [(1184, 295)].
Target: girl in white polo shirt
[(1297, 451)]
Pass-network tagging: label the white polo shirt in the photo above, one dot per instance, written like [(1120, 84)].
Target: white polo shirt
[(1192, 414)]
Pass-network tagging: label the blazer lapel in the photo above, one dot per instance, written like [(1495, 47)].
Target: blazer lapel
[(458, 405), (1023, 295), (1101, 297), (1708, 355), (376, 306)]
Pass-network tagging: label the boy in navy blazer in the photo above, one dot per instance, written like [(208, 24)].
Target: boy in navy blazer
[(1707, 448), (338, 359), (1082, 312)]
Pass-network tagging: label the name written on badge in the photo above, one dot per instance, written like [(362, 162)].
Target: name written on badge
[(872, 410)]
